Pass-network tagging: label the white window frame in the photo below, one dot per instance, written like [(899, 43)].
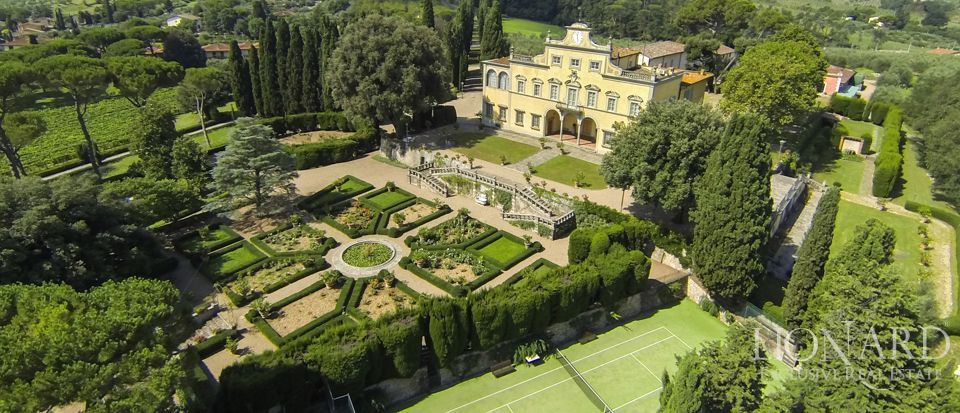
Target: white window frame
[(537, 89), (595, 69), (518, 117), (556, 60), (492, 82), (591, 98), (573, 97), (554, 92), (535, 122), (574, 63), (611, 101)]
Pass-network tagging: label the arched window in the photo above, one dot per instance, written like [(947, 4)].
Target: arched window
[(491, 78), (504, 81)]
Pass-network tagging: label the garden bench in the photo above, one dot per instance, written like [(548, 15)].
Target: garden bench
[(502, 369), (587, 337)]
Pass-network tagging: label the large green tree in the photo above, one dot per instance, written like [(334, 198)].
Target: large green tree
[(662, 153), (406, 76), (723, 19), (426, 14), (182, 46), (198, 86), (136, 78), (190, 163), (935, 111), (494, 43), (863, 305), (777, 80), (293, 96), (153, 141), (269, 81), (14, 79), (240, 83), (109, 347), (811, 258), (153, 200), (83, 79), (722, 376), (330, 37), (253, 169), (253, 65), (732, 213), (101, 37), (311, 87), (283, 47), (58, 231)]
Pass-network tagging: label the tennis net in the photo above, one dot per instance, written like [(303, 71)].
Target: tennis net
[(585, 387)]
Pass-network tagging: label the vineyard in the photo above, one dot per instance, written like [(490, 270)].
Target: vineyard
[(110, 122)]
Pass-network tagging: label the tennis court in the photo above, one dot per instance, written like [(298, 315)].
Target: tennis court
[(620, 371)]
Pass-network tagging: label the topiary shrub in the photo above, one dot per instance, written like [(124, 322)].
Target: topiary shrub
[(579, 245), (855, 108), (599, 244)]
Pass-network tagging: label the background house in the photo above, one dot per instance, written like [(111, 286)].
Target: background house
[(665, 54), (840, 80), (222, 50), (188, 21)]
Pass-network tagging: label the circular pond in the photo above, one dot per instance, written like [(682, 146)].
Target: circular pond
[(367, 254)]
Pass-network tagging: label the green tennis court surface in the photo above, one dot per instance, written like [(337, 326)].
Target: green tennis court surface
[(622, 367)]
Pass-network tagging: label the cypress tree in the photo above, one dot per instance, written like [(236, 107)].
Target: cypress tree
[(493, 44), (240, 81), (811, 259), (283, 46), (270, 84), (732, 212), (482, 17), (60, 24), (426, 16), (311, 71), (260, 9), (254, 67), (293, 102), (330, 35), (455, 47)]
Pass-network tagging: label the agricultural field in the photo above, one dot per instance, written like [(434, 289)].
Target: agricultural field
[(111, 122)]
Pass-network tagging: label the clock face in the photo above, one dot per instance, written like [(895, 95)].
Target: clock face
[(578, 37)]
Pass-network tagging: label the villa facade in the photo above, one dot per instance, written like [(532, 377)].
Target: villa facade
[(577, 91)]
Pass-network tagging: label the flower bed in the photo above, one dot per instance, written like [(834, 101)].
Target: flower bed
[(375, 297), (413, 213), (316, 297), (206, 239), (229, 260), (367, 254), (459, 232), (268, 276), (455, 271), (341, 189), (352, 218), (294, 239)]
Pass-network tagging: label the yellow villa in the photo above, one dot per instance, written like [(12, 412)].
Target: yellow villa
[(577, 90)]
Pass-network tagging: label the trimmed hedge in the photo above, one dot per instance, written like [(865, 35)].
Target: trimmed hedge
[(530, 250), (408, 226), (331, 151), (209, 273), (233, 237), (353, 304), (240, 301), (275, 338), (454, 290), (890, 160), (326, 245), (214, 344), (306, 122), (350, 232), (530, 269), (312, 202), (852, 108), (878, 112)]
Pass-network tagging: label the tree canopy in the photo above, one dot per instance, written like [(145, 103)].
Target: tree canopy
[(108, 347), (662, 153), (776, 80), (733, 210), (406, 74), (253, 169), (59, 231), (138, 77)]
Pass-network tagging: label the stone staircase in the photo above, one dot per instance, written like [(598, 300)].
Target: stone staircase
[(782, 262)]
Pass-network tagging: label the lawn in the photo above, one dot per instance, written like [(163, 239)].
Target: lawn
[(389, 199), (564, 169), (316, 202), (532, 28), (119, 167), (213, 238), (232, 261), (906, 253), (219, 137), (848, 171), (623, 365), (857, 128), (503, 249), (191, 120), (492, 148), (917, 185)]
